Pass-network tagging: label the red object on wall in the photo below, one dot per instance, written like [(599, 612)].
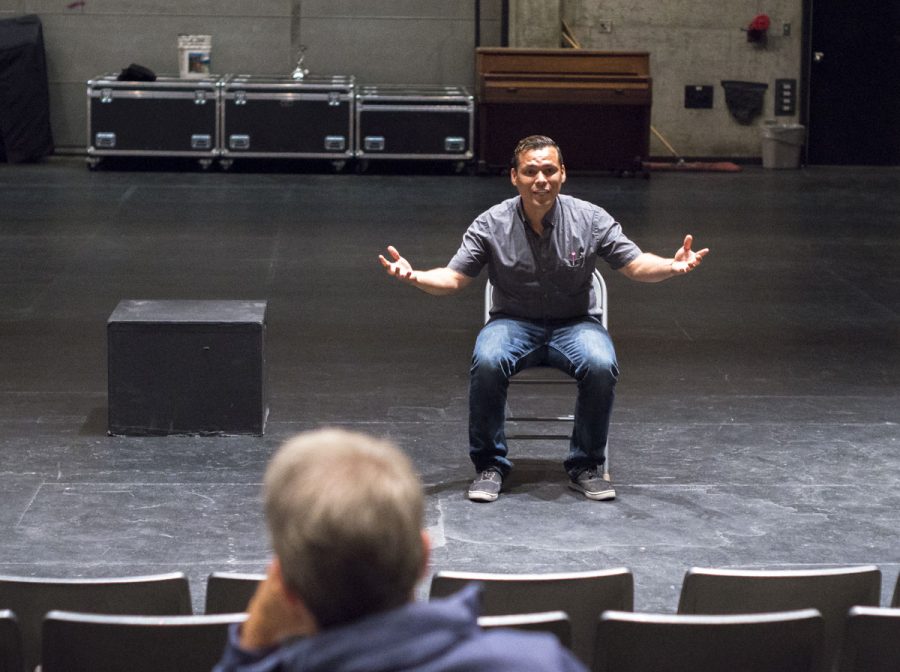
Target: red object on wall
[(756, 31), (760, 22)]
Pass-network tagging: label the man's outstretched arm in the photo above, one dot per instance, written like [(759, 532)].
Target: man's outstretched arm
[(437, 281), (650, 268)]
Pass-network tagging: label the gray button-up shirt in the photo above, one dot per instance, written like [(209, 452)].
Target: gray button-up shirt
[(549, 276)]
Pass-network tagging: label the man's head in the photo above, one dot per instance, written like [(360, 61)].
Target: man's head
[(534, 142), (345, 513), (537, 171)]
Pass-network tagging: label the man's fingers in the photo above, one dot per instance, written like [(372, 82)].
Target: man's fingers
[(698, 257), (393, 252), (395, 269), (688, 239)]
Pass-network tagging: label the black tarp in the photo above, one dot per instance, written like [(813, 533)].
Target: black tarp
[(744, 99), (24, 96)]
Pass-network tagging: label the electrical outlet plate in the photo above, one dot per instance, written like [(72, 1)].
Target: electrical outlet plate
[(698, 97), (786, 29), (604, 26), (785, 97)]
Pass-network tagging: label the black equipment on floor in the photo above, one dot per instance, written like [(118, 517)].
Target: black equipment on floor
[(280, 117), (166, 117), (414, 122), (25, 133), (187, 367)]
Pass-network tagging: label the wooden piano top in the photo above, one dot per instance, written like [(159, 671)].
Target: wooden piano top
[(563, 76), (564, 63)]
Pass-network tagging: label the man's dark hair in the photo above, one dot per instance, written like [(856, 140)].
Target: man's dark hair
[(533, 142)]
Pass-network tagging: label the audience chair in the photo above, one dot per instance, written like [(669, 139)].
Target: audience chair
[(582, 595), (75, 642), (789, 641), (10, 643), (230, 592), (831, 591), (544, 375), (871, 640), (554, 622), (895, 602), (30, 598)]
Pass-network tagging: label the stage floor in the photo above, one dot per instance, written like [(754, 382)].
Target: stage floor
[(756, 422)]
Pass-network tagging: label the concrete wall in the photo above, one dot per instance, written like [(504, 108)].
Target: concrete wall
[(395, 41), (697, 42), (379, 41), (534, 24)]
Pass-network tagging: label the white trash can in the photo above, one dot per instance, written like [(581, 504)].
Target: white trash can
[(781, 145)]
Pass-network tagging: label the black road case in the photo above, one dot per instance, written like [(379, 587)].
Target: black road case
[(277, 117), (421, 122), (167, 117)]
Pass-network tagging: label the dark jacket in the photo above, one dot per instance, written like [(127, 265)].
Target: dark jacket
[(436, 636)]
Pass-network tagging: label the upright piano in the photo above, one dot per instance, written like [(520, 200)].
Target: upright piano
[(594, 104)]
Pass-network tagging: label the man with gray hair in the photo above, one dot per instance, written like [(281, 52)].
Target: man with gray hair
[(348, 553)]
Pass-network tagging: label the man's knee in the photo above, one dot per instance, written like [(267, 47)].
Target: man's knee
[(597, 366), (491, 355), (490, 361)]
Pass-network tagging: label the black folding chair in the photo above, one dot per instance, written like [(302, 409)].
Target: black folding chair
[(74, 642), (10, 643), (831, 591), (778, 642), (581, 595), (871, 640), (230, 592), (30, 598), (556, 623)]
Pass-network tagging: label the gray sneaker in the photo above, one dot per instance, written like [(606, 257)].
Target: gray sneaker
[(592, 485), (486, 487)]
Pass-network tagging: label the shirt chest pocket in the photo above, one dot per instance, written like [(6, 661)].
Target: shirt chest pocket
[(570, 276)]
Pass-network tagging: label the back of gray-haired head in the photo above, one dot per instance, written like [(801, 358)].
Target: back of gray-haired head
[(345, 513)]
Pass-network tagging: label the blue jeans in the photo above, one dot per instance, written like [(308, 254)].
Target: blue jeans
[(580, 348)]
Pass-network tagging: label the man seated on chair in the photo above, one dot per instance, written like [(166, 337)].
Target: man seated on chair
[(348, 554), (541, 249)]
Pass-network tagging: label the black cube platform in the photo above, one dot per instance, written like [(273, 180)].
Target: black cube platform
[(187, 367)]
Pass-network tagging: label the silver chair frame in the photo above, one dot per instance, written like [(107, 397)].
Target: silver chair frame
[(600, 290)]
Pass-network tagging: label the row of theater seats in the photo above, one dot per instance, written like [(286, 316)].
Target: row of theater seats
[(798, 620)]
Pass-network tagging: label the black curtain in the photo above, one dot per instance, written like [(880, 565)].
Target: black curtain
[(25, 133)]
